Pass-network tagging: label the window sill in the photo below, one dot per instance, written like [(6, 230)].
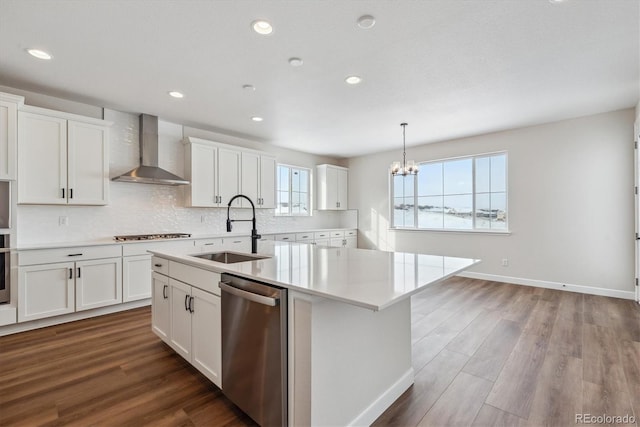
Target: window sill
[(455, 231)]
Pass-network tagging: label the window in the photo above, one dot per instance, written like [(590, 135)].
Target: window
[(293, 191), (467, 193)]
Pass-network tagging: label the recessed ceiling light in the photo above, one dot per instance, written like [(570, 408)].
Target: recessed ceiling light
[(366, 21), (295, 62), (262, 27), (176, 94), (257, 119), (249, 88), (40, 54), (353, 80)]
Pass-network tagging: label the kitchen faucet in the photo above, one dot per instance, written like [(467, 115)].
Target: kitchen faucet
[(254, 233)]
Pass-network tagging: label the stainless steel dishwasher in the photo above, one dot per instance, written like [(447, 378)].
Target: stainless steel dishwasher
[(254, 348)]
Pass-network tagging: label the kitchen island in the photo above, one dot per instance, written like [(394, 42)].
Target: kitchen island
[(349, 321)]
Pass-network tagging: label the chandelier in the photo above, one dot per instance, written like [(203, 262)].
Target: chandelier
[(406, 167)]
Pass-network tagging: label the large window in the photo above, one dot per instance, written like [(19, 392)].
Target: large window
[(467, 193), (293, 191)]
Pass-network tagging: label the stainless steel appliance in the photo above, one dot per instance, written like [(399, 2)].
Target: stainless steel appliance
[(5, 268), (254, 348), (158, 236), (5, 204)]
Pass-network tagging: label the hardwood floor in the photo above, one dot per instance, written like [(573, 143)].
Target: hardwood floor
[(484, 354)]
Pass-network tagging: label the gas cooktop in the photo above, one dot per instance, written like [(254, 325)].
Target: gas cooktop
[(151, 236)]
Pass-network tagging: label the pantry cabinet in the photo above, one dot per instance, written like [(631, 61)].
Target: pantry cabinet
[(62, 158), (9, 105), (213, 173), (258, 179), (331, 187)]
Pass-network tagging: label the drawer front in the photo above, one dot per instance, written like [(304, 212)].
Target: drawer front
[(79, 253), (268, 237), (209, 245), (289, 237), (350, 233), (160, 265), (337, 234), (202, 279), (130, 249), (321, 235), (301, 237)]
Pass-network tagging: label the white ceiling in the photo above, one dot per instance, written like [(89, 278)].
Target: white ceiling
[(449, 68)]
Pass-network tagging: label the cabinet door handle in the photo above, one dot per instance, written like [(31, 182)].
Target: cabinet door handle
[(71, 193), (71, 273), (191, 304), (78, 272), (186, 302), (157, 265), (63, 193), (164, 292)]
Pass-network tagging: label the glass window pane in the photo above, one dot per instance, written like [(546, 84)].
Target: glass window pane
[(409, 212), (483, 211), (398, 212), (482, 175), (430, 179), (398, 186), (499, 211), (295, 180), (283, 178), (304, 180), (499, 173), (304, 204), (430, 213), (458, 211), (458, 177)]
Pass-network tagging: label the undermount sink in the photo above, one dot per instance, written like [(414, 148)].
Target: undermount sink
[(230, 257)]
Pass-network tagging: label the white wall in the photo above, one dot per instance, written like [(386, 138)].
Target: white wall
[(142, 208), (571, 204)]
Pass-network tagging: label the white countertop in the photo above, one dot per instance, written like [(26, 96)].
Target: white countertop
[(366, 278)]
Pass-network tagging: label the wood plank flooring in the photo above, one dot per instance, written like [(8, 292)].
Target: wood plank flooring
[(484, 354)]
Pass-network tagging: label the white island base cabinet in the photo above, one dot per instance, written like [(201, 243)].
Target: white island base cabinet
[(347, 364), (186, 317)]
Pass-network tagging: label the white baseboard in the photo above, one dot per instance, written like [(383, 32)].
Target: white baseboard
[(378, 406), (551, 285), (57, 320)]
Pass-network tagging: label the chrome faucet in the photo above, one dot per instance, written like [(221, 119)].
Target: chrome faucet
[(254, 233)]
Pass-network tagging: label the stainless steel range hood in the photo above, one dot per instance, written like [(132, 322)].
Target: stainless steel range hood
[(148, 172)]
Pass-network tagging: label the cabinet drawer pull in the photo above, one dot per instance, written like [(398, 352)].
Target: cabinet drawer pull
[(209, 244), (285, 238), (157, 265), (71, 273), (237, 241), (164, 292), (80, 254)]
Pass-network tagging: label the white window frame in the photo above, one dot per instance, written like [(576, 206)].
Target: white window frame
[(473, 194), (290, 190)]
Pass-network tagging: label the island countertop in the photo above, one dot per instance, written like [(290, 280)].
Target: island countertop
[(367, 278)]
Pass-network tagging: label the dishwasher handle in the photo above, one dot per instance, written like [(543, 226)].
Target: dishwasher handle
[(260, 299)]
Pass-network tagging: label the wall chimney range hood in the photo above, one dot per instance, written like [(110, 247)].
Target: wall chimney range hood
[(148, 172)]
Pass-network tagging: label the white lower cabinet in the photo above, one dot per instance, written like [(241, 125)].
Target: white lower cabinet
[(136, 276), (98, 283), (160, 306), (45, 290), (188, 318), (59, 281)]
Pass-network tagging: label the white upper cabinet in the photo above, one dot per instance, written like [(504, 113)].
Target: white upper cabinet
[(332, 183), (218, 172), (258, 179), (62, 161), (9, 105), (213, 172)]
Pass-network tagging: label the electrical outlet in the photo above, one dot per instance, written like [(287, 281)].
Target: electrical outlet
[(505, 262), (63, 220)]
